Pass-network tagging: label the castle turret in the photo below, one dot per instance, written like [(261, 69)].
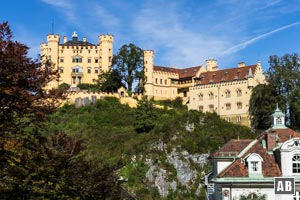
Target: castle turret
[(50, 53), (148, 69), (105, 51)]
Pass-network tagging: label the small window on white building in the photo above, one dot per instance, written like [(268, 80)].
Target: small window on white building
[(61, 70), (278, 120), (254, 161), (296, 164)]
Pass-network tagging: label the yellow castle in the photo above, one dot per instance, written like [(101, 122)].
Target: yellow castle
[(78, 61), (206, 88)]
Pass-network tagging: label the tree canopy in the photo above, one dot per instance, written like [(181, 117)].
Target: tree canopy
[(129, 61), (283, 88)]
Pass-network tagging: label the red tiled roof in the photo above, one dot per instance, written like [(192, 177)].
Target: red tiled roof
[(282, 134), (226, 75), (183, 73), (270, 167), (232, 148)]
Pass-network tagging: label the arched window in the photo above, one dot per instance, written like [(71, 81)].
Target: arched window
[(296, 164), (227, 94)]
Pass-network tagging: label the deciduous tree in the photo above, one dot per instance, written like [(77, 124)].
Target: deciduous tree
[(129, 61)]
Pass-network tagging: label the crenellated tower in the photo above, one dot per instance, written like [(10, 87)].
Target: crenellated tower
[(49, 52), (148, 69), (105, 51)]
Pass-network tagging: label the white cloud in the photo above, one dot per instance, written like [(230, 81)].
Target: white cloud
[(67, 6)]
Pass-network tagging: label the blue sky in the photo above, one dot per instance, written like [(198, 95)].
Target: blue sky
[(181, 32)]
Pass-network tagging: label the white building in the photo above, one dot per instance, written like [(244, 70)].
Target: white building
[(248, 167)]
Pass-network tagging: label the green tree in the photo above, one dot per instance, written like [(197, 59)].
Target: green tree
[(129, 61), (263, 102), (145, 115), (284, 76), (110, 81)]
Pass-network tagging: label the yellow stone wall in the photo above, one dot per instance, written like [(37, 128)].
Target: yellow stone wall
[(230, 100), (92, 59)]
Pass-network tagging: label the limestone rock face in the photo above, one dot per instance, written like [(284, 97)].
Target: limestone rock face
[(184, 172)]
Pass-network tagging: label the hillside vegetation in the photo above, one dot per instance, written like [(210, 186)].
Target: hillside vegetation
[(143, 139)]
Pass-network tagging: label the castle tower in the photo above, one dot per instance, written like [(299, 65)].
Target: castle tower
[(148, 69), (50, 53), (105, 51)]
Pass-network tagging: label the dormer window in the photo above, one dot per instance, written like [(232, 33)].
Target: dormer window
[(254, 164)]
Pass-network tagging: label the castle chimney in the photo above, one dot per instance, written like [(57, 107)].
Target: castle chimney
[(241, 64), (211, 65), (65, 39), (271, 140)]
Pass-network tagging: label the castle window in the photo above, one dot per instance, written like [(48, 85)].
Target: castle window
[(166, 82), (200, 97), (211, 95), (77, 69), (239, 105), (254, 161), (89, 51), (238, 92), (96, 60), (88, 70), (76, 59), (61, 60), (228, 106), (296, 164), (109, 59), (160, 81), (96, 51), (228, 119), (96, 70), (227, 93), (156, 80), (201, 108), (211, 108), (238, 119), (61, 70), (89, 60)]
